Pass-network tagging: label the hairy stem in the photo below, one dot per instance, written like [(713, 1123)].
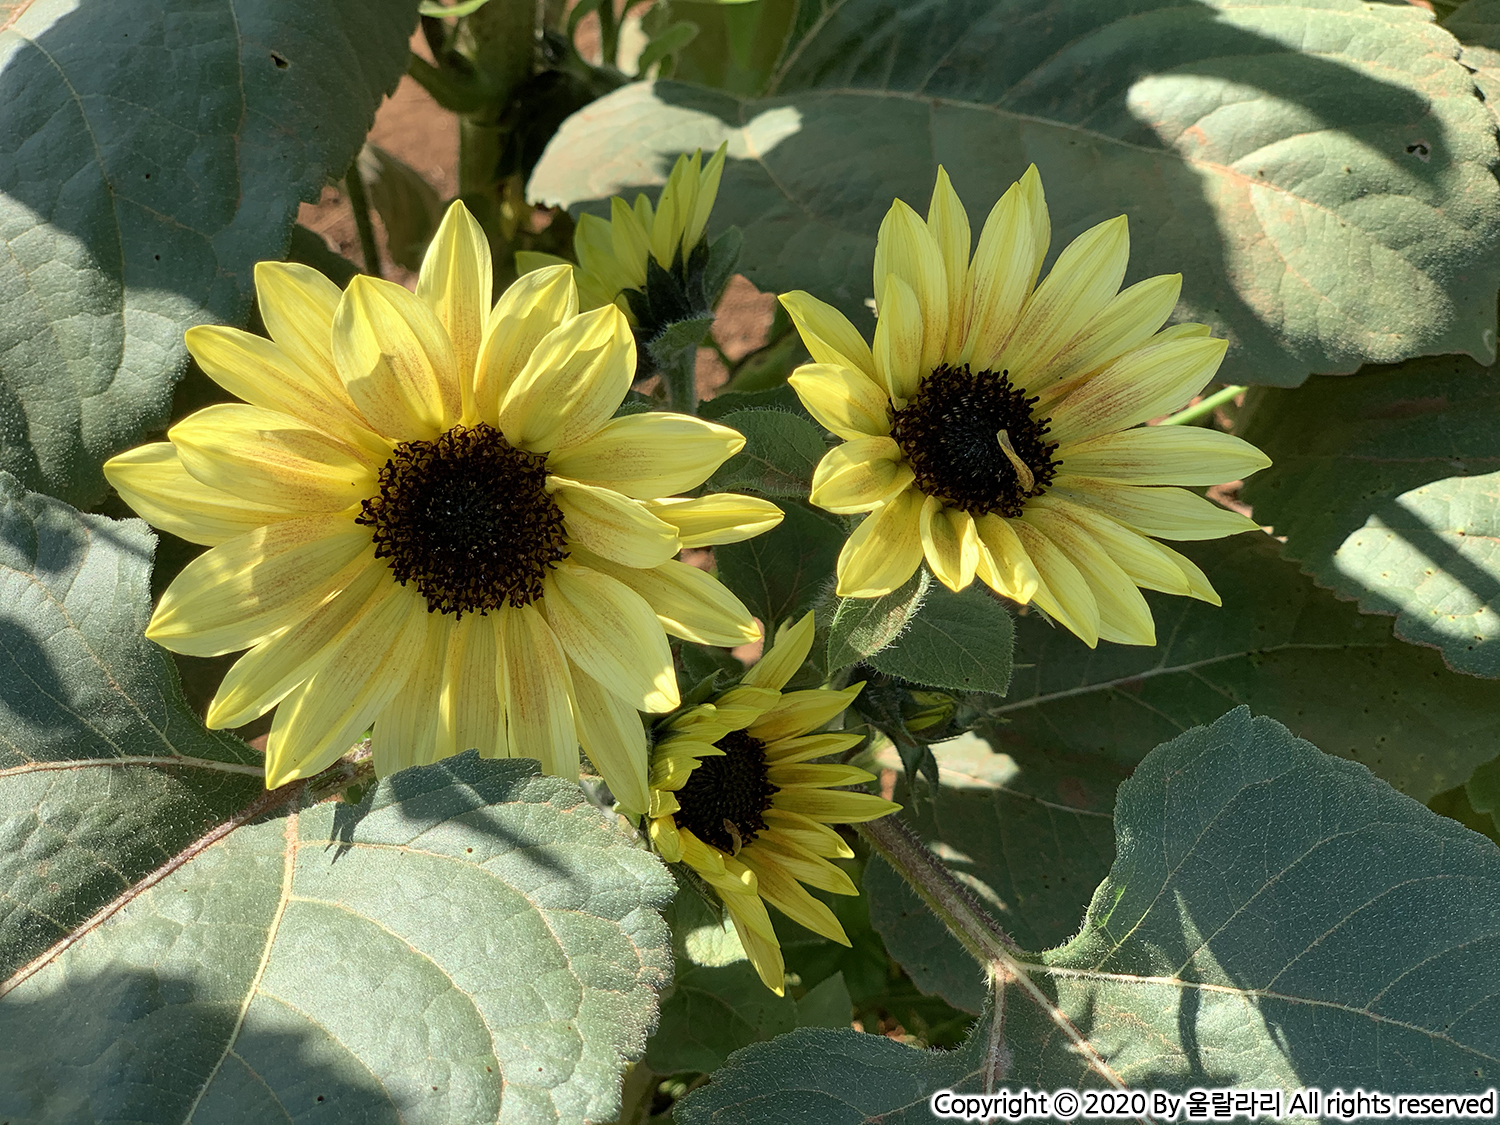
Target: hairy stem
[(680, 377), (354, 187)]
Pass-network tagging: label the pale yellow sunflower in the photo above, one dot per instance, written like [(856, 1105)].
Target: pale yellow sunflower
[(736, 796), (994, 428), (425, 517), (614, 253)]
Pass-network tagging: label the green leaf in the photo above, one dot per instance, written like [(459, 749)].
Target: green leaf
[(439, 11), (104, 771), (713, 1011), (1274, 917), (780, 574), (470, 929), (408, 205), (738, 44), (1200, 121), (961, 642), (150, 153), (781, 451), (309, 248), (1385, 487), (666, 43), (1279, 644), (862, 627), (1031, 838)]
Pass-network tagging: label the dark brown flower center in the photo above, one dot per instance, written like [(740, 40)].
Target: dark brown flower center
[(468, 519), (726, 796), (973, 443)]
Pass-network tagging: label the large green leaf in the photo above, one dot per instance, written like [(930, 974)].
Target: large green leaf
[(1278, 644), (1387, 489), (1030, 839), (104, 772), (1320, 171), (473, 943), (150, 152), (1274, 917), (780, 574), (781, 451)]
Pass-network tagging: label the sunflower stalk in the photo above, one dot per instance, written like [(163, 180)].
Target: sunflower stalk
[(354, 187)]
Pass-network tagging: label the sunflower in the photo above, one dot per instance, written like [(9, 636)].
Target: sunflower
[(425, 517), (735, 796), (615, 256), (994, 427)]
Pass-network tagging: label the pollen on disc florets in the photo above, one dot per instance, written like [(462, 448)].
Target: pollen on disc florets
[(972, 441), (726, 796), (468, 519)]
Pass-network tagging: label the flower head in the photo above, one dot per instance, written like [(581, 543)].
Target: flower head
[(736, 796), (994, 428), (425, 517)]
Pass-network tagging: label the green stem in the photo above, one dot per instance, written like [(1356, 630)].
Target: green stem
[(354, 185), (609, 34), (1206, 406), (680, 377)]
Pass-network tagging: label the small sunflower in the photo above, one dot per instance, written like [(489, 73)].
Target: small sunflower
[(994, 428), (616, 256), (735, 796), (425, 517)]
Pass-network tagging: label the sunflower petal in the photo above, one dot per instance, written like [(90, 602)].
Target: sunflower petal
[(1198, 584), (610, 632), (239, 593), (690, 603), (456, 283), (1083, 279), (265, 674), (470, 714), (906, 248), (802, 864), (1063, 593), (1126, 322), (1004, 566), (395, 360), (812, 834), (258, 371), (575, 379), (808, 746), (1166, 513), (1148, 563), (266, 456), (827, 333), (816, 775), (1163, 455), (297, 305), (847, 402), (614, 740), (859, 475), (1006, 262), (949, 224), (533, 672), (719, 517), (316, 724), (778, 887), (649, 455), (884, 550), (800, 712), (1124, 616), (532, 307), (898, 341), (745, 911), (784, 657), (151, 479), (835, 806), (405, 732), (1147, 382), (950, 543), (613, 526)]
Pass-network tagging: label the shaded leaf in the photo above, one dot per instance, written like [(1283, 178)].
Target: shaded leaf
[(961, 642), (862, 627), (471, 927), (1319, 171), (780, 574), (408, 205), (1287, 649), (150, 153), (1274, 917), (781, 451), (1387, 488), (1031, 839)]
